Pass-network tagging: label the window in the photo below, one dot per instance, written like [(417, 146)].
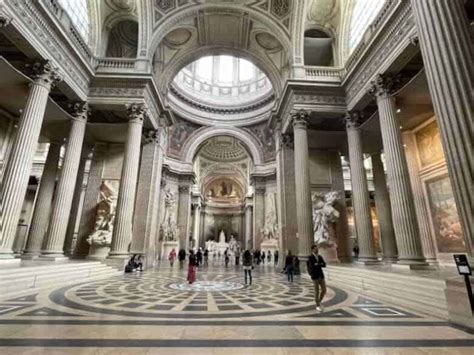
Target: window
[(79, 15), (363, 14)]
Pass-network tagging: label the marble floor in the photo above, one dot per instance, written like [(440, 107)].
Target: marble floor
[(157, 311)]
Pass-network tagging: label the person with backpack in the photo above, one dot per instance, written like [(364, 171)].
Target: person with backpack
[(290, 266), (315, 267), (247, 263)]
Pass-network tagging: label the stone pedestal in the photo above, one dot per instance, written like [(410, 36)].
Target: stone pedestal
[(97, 252), (167, 246), (17, 171)]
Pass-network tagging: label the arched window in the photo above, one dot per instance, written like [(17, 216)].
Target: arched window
[(363, 14), (79, 15), (318, 48)]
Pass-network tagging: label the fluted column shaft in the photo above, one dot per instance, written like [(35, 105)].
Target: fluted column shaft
[(304, 214), (123, 225), (258, 216), (76, 201), (17, 171), (39, 221), (360, 193), (196, 222), (54, 243), (384, 212), (401, 196), (248, 227), (447, 51), (427, 240)]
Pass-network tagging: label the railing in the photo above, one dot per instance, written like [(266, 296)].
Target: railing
[(115, 63), (313, 72)]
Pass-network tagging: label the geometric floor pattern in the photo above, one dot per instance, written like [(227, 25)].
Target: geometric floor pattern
[(143, 312)]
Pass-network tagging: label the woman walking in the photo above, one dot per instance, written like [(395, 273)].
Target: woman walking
[(248, 266), (290, 266), (192, 267), (172, 257)]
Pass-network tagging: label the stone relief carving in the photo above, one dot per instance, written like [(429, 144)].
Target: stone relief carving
[(178, 134), (265, 139), (169, 230), (324, 215), (105, 215)]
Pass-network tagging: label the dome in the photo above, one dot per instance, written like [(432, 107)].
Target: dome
[(222, 88)]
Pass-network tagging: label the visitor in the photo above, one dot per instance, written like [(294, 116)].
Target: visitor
[(181, 257), (262, 257), (172, 257), (355, 251), (138, 264), (226, 257), (256, 256), (206, 257), (192, 267), (237, 257), (247, 263), (296, 262), (315, 270), (269, 256), (275, 257), (290, 266), (199, 257), (130, 267)]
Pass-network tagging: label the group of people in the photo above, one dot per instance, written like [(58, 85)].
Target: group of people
[(314, 265), (134, 264)]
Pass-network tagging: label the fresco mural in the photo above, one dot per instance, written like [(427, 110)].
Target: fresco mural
[(428, 142), (177, 136), (265, 138), (445, 216)]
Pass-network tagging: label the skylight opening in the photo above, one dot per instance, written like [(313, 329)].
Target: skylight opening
[(363, 14), (79, 14)]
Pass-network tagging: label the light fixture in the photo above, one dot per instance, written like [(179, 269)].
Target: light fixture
[(399, 110)]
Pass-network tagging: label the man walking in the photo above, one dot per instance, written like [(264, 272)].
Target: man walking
[(315, 269)]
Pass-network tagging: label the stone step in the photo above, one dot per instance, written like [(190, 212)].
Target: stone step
[(46, 276), (417, 293), (46, 266)]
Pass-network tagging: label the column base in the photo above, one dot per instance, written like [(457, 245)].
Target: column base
[(30, 256), (52, 257), (116, 262), (390, 260), (9, 262), (372, 260), (413, 265)]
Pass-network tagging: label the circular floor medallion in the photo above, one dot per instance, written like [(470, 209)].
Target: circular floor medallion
[(207, 286)]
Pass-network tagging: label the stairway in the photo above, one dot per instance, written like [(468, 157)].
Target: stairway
[(34, 276), (421, 294)]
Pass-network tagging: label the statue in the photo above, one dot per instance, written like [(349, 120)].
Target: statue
[(169, 229), (105, 217), (324, 214), (270, 230), (233, 243), (222, 237)]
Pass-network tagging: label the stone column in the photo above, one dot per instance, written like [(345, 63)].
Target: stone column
[(259, 215), (427, 239), (184, 215), (91, 196), (285, 158), (40, 219), (447, 50), (196, 222), (248, 227), (403, 207), (360, 191), (342, 226), (384, 211), (123, 226), (54, 243), (145, 221), (17, 171), (304, 214), (76, 201)]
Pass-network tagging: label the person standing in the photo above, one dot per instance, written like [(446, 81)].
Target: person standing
[(290, 266), (262, 256), (192, 267), (247, 262), (315, 270), (275, 257), (269, 256), (237, 257), (199, 257), (172, 257), (226, 257), (206, 257), (181, 257)]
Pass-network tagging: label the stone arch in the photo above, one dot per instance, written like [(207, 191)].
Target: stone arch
[(110, 23), (195, 141)]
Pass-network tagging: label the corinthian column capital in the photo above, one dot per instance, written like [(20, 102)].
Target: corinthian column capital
[(4, 20), (80, 110), (287, 140), (353, 119), (300, 119), (43, 72), (383, 85), (137, 112), (151, 136)]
